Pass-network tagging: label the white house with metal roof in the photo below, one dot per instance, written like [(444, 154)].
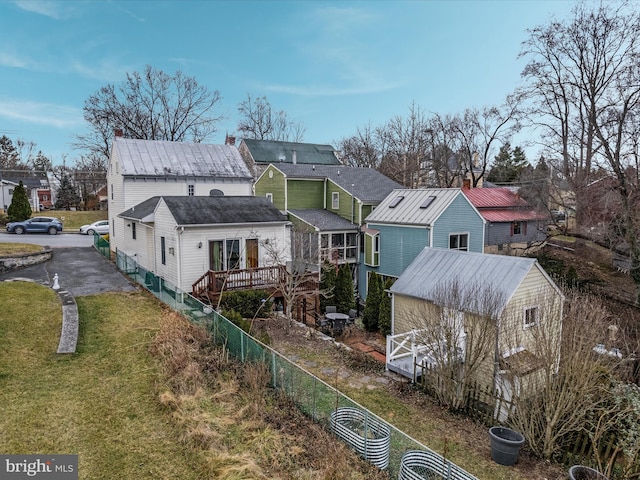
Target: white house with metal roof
[(514, 294), (141, 169), (408, 220), (180, 238)]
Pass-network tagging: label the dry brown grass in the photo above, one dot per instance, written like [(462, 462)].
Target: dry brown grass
[(242, 429), (7, 249)]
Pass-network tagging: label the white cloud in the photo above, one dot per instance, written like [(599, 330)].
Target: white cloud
[(58, 116), (13, 61), (48, 8)]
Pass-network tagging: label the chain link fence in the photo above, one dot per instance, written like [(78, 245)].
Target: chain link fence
[(352, 423)]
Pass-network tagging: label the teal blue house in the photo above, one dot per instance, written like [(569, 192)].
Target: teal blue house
[(408, 220)]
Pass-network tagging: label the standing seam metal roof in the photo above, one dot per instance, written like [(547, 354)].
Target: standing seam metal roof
[(408, 211), (158, 158), (273, 151), (434, 268)]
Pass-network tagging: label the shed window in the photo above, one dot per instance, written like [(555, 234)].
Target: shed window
[(531, 316), (335, 200), (191, 190), (518, 228)]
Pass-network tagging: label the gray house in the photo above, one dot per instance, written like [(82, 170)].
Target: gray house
[(512, 225)]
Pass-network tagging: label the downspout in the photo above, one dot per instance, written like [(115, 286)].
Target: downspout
[(179, 258)]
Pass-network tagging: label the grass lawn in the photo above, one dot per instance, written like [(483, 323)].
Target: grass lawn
[(7, 249), (98, 403), (73, 220)]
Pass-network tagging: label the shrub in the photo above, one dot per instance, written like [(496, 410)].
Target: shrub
[(245, 325), (19, 209), (384, 317), (371, 313), (344, 296), (248, 303)]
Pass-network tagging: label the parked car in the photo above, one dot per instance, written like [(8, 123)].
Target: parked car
[(101, 227), (50, 225)]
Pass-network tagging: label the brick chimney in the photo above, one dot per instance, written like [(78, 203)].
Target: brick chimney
[(230, 140), (466, 184), (117, 132)]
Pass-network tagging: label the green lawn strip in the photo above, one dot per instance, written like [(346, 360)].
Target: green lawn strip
[(7, 249), (73, 220), (98, 403)]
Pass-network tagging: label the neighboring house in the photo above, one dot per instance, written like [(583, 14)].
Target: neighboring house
[(181, 238), (408, 220), (525, 306), (141, 169), (34, 182), (258, 154), (512, 226), (328, 201)]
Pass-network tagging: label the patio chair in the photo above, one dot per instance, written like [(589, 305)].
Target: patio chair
[(352, 316), (331, 309)]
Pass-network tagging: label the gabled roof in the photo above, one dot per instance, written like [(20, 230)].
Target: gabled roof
[(414, 206), (500, 197), (216, 210), (323, 220), (273, 151), (365, 184), (157, 158), (501, 205), (435, 268), (30, 178)]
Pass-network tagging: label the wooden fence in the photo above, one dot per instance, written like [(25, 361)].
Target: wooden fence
[(482, 404)]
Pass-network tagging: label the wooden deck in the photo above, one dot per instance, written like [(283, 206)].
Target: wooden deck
[(212, 284)]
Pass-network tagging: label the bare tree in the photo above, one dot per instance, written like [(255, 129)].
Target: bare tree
[(481, 131), (563, 388), (405, 144), (299, 278), (363, 149), (584, 80), (151, 105), (258, 120), (458, 331)]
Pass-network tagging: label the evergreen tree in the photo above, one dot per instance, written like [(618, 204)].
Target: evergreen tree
[(507, 165), (327, 285), (344, 295), (371, 312), (19, 209), (384, 318), (67, 194)]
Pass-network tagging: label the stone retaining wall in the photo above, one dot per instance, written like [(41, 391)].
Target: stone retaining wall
[(15, 262)]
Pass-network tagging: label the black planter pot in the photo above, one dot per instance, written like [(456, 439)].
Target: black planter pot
[(505, 445), (579, 472)]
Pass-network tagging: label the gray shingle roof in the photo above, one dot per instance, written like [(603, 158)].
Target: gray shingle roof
[(409, 211), (156, 158), (323, 220), (434, 268), (272, 151), (365, 184), (211, 210)]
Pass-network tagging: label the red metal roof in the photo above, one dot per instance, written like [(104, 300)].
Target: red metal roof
[(509, 215), (494, 198)]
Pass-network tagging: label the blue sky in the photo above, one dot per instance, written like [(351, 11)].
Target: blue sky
[(334, 66)]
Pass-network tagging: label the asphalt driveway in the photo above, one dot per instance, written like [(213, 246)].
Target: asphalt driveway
[(81, 271)]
